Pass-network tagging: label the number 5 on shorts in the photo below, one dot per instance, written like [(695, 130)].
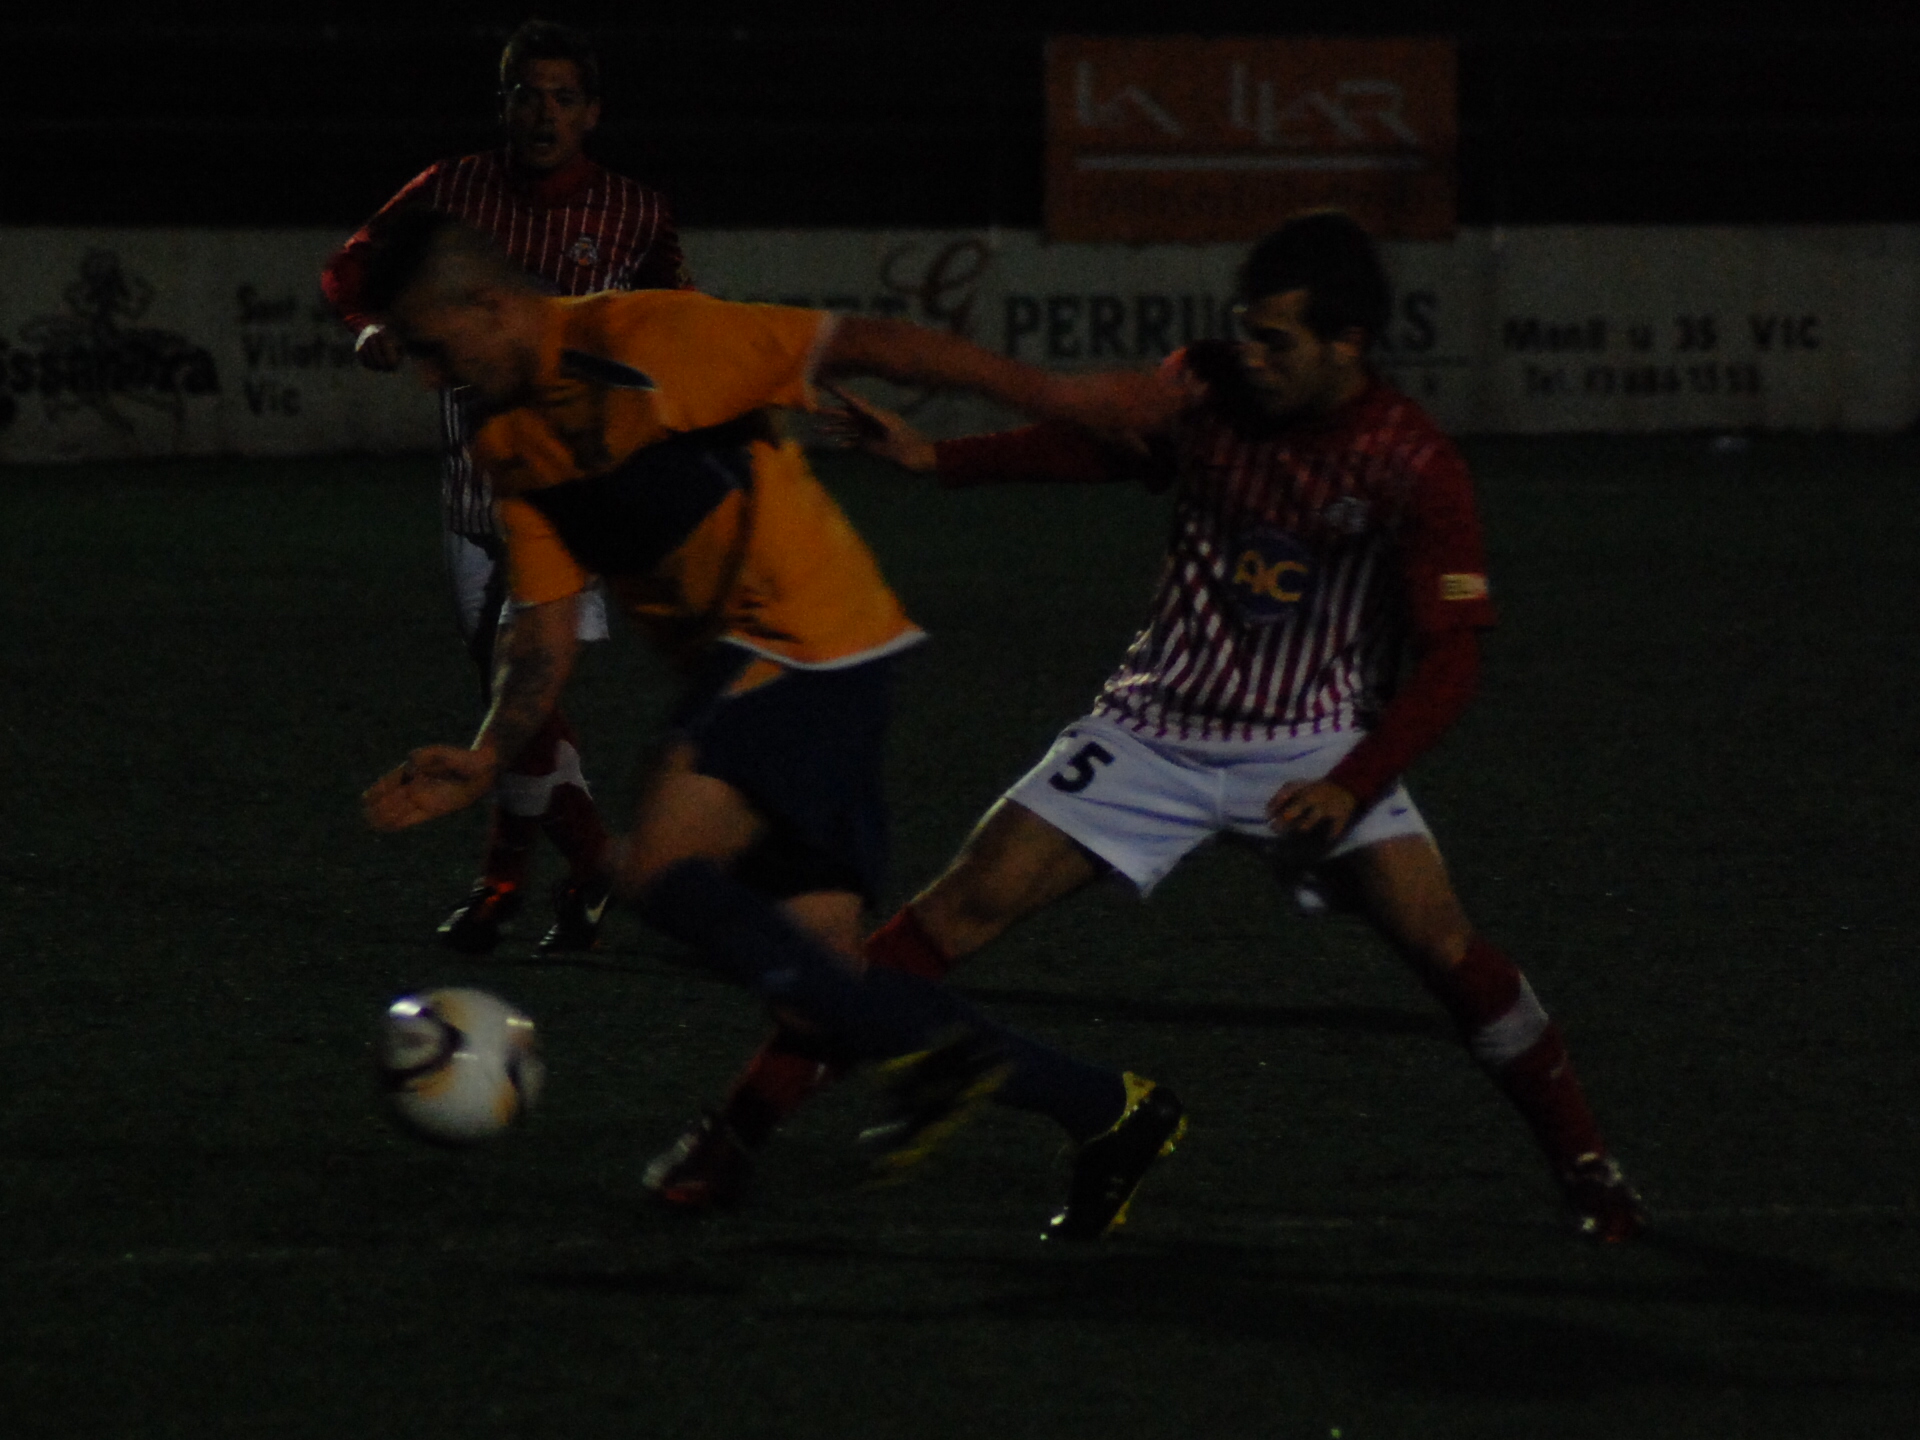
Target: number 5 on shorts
[(1079, 772)]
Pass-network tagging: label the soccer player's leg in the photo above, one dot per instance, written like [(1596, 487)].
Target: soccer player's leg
[(735, 919), (1101, 801), (543, 790), (807, 748), (675, 868), (1012, 865), (569, 818), (1401, 883), (709, 1165), (1089, 806), (474, 926)]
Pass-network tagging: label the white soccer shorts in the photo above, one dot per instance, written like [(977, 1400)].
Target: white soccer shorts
[(1142, 804), (471, 570)]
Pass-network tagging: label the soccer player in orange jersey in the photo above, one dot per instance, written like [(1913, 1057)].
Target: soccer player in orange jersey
[(626, 437)]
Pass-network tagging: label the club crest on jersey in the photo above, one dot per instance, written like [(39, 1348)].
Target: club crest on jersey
[(585, 250), (1346, 516), (1272, 573)]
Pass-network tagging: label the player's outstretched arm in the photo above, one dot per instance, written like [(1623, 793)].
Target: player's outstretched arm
[(914, 355), (537, 650), (1047, 452), (343, 278)]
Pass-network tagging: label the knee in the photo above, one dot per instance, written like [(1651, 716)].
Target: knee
[(975, 901), (963, 909), (666, 893), (642, 876), (1439, 949), (638, 860), (1014, 864)]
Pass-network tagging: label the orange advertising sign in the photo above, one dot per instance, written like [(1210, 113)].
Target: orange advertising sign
[(1178, 138)]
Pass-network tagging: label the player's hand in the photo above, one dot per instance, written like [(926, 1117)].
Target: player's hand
[(433, 781), (379, 348), (861, 425), (1315, 810)]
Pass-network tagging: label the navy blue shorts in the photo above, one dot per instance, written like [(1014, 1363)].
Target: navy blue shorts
[(807, 751)]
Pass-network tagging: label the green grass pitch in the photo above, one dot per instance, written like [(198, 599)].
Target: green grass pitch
[(1685, 801)]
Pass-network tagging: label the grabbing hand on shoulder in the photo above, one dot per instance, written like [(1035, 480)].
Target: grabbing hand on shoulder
[(861, 425)]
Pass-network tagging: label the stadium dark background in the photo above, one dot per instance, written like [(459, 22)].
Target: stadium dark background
[(915, 114)]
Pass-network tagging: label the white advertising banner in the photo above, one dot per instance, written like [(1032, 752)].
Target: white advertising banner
[(154, 343), (124, 344), (1497, 331)]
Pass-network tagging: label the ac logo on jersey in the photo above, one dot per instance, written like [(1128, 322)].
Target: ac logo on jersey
[(585, 250), (1272, 573)]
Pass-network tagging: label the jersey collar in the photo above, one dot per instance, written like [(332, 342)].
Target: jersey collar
[(554, 190)]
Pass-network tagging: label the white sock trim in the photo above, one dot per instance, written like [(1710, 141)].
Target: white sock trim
[(1500, 1042), (528, 796)]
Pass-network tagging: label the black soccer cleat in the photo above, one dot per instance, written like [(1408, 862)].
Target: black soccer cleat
[(474, 926), (1602, 1204), (578, 908), (1108, 1168), (929, 1095), (707, 1168)]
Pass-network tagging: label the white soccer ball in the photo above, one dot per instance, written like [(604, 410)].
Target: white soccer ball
[(459, 1065)]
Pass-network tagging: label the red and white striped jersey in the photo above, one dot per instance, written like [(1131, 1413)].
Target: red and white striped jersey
[(1301, 563), (581, 229)]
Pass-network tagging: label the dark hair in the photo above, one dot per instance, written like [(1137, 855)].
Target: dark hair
[(405, 242), (1327, 254), (544, 40)]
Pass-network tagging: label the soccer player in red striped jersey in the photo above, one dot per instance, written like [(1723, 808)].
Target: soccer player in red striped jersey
[(578, 228), (1324, 540)]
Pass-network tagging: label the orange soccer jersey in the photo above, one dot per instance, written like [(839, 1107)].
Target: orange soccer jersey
[(644, 457)]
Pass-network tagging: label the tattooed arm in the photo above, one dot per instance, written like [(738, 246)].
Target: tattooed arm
[(537, 650), (536, 656)]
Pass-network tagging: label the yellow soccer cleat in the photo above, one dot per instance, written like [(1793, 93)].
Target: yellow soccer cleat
[(1108, 1168)]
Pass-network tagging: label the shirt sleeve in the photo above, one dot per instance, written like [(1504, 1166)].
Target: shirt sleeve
[(1445, 674), (343, 277), (1443, 556), (724, 359), (1051, 451), (540, 568), (664, 266), (1055, 451)]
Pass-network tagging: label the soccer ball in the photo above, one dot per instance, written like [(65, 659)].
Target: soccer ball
[(459, 1065)]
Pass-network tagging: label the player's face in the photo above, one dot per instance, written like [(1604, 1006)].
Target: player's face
[(548, 115), (466, 342), (1291, 370)]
